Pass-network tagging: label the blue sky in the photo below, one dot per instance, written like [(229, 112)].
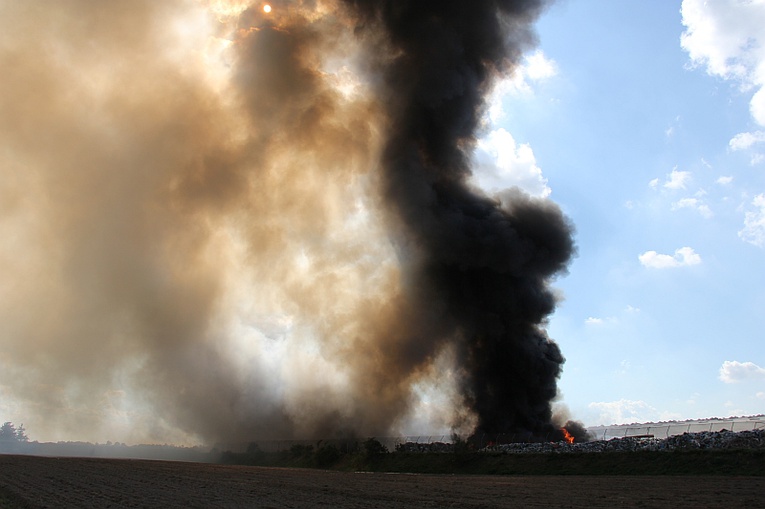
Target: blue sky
[(645, 121)]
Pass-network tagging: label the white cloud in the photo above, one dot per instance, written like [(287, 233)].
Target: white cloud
[(731, 408), (624, 411), (732, 372), (754, 223), (674, 180), (727, 37), (683, 257), (538, 67), (692, 203), (695, 204), (724, 180), (535, 68), (669, 132), (677, 179), (501, 163), (705, 211), (596, 321), (743, 141), (609, 321)]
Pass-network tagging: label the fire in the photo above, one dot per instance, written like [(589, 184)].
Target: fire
[(568, 437)]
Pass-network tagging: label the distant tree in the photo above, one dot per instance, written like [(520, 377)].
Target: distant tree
[(326, 455), (254, 448), (373, 448), (8, 432), (11, 438), (21, 434)]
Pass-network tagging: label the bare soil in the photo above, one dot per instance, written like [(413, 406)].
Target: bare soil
[(41, 482)]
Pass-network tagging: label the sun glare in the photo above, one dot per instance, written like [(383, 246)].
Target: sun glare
[(266, 8)]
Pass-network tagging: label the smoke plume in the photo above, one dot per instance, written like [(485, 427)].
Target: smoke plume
[(221, 223)]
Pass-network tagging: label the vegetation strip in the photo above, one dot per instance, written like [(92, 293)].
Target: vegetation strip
[(372, 456)]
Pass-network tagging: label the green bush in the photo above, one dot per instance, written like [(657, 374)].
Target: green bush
[(326, 455), (373, 448), (301, 451)]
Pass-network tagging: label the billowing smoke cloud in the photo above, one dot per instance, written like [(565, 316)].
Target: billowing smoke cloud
[(220, 223), (482, 266)]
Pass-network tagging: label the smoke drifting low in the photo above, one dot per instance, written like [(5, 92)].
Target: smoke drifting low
[(220, 223)]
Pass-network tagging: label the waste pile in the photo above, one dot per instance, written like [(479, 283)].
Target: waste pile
[(423, 447), (723, 439)]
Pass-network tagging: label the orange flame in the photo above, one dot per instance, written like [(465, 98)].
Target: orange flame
[(568, 437)]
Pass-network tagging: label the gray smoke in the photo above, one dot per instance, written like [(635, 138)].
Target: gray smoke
[(220, 223)]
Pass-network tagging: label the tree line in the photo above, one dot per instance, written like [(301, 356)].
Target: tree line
[(9, 433)]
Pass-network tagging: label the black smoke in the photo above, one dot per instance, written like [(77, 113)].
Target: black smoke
[(483, 264)]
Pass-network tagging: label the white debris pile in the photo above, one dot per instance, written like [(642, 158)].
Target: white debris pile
[(425, 447), (723, 439)]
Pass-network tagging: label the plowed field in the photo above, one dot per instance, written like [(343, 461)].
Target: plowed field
[(39, 482)]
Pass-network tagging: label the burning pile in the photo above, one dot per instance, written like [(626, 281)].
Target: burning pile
[(750, 439)]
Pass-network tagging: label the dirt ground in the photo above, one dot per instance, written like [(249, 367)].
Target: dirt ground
[(38, 482)]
